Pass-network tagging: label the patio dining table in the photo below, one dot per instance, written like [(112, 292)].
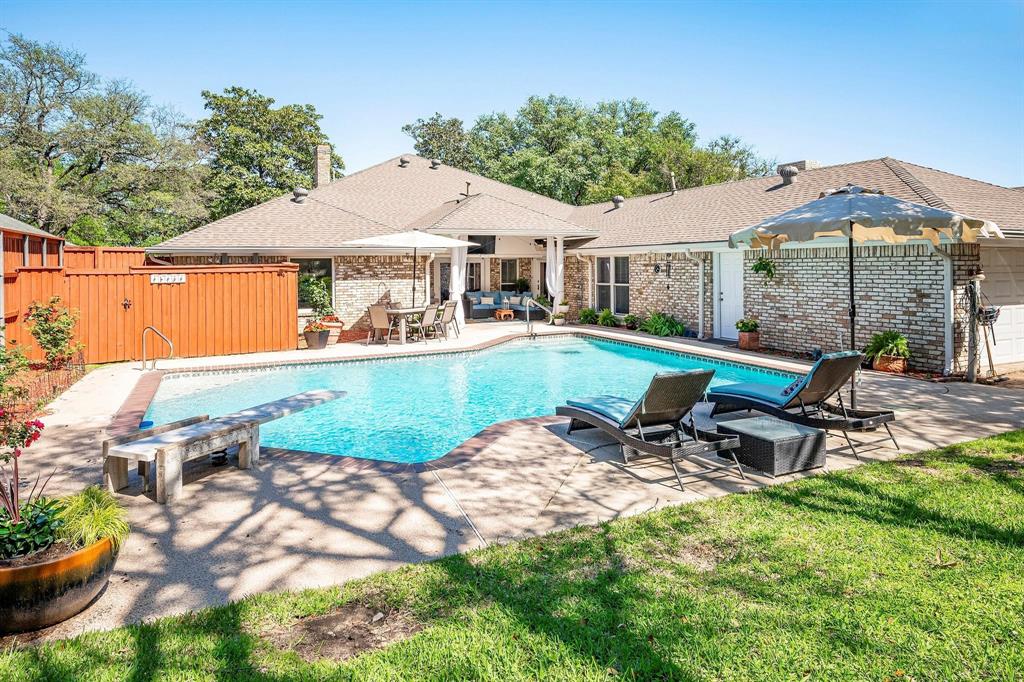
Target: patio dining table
[(403, 315)]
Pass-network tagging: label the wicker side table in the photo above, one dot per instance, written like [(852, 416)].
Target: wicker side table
[(776, 447)]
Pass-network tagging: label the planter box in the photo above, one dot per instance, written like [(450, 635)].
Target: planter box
[(750, 340), (890, 363), (39, 595), (317, 340)]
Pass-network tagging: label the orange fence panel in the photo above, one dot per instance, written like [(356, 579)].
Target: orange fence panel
[(204, 310)]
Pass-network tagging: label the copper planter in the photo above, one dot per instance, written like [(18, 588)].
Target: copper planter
[(40, 595), (750, 340), (889, 363)]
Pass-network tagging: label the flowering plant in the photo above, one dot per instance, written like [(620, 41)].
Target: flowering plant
[(16, 435), (315, 325)]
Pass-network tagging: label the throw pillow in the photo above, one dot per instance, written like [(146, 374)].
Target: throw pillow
[(515, 300), (486, 300)]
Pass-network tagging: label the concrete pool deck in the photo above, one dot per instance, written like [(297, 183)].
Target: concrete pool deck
[(305, 520)]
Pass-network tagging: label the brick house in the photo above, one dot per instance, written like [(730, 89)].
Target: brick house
[(666, 252)]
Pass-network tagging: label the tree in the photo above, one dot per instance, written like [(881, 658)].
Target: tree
[(441, 138), (257, 152), (580, 154), (91, 159)]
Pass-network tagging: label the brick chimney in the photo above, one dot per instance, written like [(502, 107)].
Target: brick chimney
[(322, 165)]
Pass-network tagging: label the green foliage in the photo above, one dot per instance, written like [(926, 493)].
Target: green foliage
[(888, 343), (91, 159), (581, 154), (662, 324), (558, 316), (588, 316), (443, 139), (12, 363), (765, 267), (522, 284), (52, 326), (747, 325), (35, 530), (257, 152), (316, 293), (543, 300), (91, 515), (632, 321), (606, 318)]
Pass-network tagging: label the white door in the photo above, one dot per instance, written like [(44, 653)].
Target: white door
[(1004, 287), (728, 293)]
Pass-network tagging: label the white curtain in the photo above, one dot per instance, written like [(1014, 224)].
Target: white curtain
[(556, 269), (457, 283)]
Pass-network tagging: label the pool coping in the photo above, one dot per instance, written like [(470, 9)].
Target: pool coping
[(141, 397)]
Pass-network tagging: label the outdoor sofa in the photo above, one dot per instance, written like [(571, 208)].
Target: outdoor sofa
[(476, 309)]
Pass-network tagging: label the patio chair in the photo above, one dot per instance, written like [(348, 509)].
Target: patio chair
[(806, 401), (380, 321), (428, 321), (654, 424), (448, 319)]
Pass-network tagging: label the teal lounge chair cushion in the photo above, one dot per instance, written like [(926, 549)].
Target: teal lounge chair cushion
[(763, 392), (611, 406)]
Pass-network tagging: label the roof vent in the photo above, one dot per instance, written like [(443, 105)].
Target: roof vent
[(618, 200), (299, 194), (435, 164), (403, 162), (788, 174)]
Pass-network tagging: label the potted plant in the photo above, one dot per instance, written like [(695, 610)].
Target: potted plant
[(316, 334), (562, 307), (888, 352), (588, 316), (632, 321), (750, 337), (558, 319), (56, 555), (522, 284), (316, 293)]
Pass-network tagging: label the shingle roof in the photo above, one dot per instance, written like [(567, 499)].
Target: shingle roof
[(378, 200), (9, 223), (391, 198), (711, 213), (488, 214)]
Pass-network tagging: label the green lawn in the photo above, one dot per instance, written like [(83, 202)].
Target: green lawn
[(907, 570)]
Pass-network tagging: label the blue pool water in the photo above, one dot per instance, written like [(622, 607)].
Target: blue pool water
[(417, 409)]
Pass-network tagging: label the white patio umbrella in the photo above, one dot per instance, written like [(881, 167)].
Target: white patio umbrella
[(415, 240), (862, 215)]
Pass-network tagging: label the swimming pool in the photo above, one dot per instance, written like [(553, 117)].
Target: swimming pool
[(417, 409)]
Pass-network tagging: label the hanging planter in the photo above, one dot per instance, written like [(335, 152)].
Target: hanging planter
[(765, 267)]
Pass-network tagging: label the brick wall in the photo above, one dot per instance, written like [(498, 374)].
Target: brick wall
[(897, 287), (577, 283), (360, 281), (675, 289)]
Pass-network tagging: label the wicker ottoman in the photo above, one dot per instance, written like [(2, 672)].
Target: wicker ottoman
[(776, 447)]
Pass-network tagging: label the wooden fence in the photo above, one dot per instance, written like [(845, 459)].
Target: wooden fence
[(112, 258), (203, 310)]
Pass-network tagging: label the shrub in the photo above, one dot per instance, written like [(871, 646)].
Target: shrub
[(588, 316), (315, 292), (12, 364), (663, 324), (522, 284), (52, 326), (90, 516), (747, 325), (888, 343), (632, 321), (543, 300), (607, 318)]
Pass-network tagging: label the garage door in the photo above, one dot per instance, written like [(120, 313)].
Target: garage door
[(1004, 287)]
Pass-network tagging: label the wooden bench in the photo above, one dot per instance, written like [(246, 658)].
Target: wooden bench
[(169, 446)]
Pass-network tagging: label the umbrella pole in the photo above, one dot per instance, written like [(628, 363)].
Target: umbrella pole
[(414, 259), (853, 319)]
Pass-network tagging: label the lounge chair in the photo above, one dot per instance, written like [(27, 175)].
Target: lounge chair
[(653, 425), (806, 401), (380, 322)]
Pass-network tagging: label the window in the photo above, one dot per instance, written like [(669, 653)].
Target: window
[(473, 271), (313, 268), (509, 274), (613, 284), (486, 242)]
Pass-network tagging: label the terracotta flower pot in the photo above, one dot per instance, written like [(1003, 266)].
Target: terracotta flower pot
[(317, 340), (750, 340), (889, 363), (39, 595)]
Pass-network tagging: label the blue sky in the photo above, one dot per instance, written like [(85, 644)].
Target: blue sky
[(939, 84)]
